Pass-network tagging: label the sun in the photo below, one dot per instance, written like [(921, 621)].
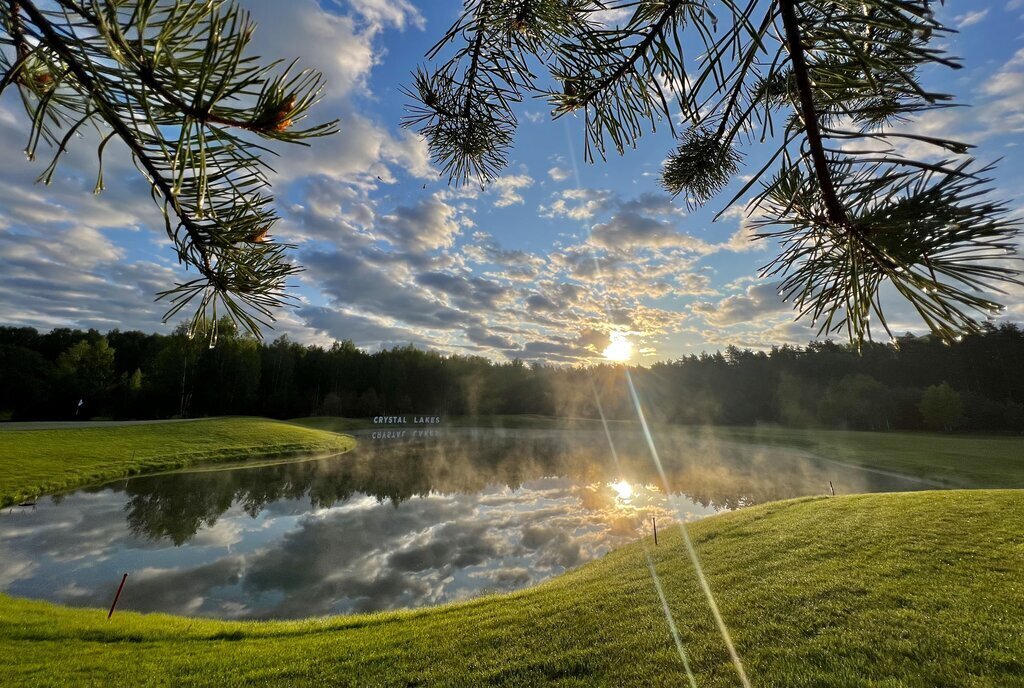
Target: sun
[(620, 349), (623, 490)]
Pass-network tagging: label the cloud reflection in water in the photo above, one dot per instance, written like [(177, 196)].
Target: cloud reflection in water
[(392, 525)]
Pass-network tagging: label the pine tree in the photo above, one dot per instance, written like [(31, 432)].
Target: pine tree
[(173, 81), (829, 84)]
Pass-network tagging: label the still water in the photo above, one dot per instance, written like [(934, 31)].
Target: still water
[(406, 520)]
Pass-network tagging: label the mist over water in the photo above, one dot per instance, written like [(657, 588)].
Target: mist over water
[(406, 520)]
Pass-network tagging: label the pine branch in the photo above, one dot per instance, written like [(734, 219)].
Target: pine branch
[(808, 113), (655, 32), (179, 94), (123, 131)]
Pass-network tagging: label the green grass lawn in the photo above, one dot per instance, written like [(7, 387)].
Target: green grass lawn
[(954, 460), (47, 460), (921, 589)]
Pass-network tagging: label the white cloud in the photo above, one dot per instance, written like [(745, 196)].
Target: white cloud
[(756, 302), (424, 226), (631, 229), (578, 204), (508, 189), (558, 174), (962, 21)]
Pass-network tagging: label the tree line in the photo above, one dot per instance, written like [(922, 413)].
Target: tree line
[(975, 384)]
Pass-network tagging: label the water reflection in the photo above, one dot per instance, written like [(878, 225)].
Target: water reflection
[(400, 522)]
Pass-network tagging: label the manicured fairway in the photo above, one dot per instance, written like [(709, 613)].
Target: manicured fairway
[(46, 460), (921, 589), (954, 460)]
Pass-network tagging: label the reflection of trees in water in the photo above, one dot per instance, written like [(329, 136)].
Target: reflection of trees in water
[(176, 506)]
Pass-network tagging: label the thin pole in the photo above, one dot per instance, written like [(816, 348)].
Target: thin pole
[(831, 488), (654, 522), (117, 596)]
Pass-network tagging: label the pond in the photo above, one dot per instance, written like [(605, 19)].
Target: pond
[(410, 518)]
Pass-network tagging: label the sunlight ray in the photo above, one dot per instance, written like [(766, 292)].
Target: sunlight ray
[(647, 554), (690, 550), (705, 586)]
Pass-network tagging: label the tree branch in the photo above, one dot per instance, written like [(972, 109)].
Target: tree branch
[(56, 43), (639, 51), (474, 65), (148, 78), (791, 25)]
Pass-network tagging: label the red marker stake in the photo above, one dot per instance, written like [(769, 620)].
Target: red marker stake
[(118, 595)]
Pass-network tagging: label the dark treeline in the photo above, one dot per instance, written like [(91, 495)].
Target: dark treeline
[(976, 384)]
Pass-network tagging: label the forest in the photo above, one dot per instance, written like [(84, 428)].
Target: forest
[(975, 384)]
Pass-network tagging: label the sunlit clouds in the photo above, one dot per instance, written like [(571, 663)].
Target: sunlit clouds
[(556, 261)]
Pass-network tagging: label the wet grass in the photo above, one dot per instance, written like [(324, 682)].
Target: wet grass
[(33, 462), (914, 589)]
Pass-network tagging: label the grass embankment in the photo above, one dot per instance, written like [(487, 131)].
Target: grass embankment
[(954, 460), (919, 589), (33, 462)]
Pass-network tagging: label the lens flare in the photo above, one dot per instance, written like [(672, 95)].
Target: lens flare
[(620, 349), (690, 549)]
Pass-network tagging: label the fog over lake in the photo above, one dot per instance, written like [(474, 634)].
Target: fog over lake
[(405, 520)]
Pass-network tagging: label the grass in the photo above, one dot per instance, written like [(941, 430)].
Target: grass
[(34, 462), (920, 589), (954, 460)]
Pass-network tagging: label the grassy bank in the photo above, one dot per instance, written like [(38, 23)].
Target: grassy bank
[(917, 589), (47, 460), (954, 460)]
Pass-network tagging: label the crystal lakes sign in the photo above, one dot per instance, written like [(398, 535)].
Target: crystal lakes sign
[(407, 420)]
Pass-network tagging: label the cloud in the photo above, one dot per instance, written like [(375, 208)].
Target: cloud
[(508, 189), (962, 21), (558, 174), (630, 229), (757, 301), (578, 204), (366, 331), (425, 226), (744, 239), (397, 13), (377, 291)]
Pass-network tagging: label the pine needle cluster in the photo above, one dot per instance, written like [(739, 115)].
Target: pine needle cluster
[(174, 82)]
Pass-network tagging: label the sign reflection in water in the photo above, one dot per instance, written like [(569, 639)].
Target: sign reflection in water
[(393, 524)]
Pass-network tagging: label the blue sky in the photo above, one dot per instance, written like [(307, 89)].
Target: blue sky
[(394, 255)]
